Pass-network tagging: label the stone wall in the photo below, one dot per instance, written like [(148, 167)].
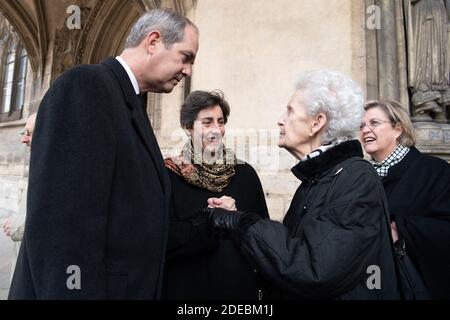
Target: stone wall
[(252, 50), (12, 166)]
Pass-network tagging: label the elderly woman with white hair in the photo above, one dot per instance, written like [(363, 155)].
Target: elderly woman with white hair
[(334, 242)]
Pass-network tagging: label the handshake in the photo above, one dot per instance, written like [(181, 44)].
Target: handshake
[(224, 218), (225, 202)]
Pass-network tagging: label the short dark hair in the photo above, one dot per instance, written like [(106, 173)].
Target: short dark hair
[(199, 100)]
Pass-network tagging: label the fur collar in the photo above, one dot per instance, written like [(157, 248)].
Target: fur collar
[(309, 169)]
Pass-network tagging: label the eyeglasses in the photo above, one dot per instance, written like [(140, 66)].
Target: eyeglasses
[(25, 132), (372, 124)]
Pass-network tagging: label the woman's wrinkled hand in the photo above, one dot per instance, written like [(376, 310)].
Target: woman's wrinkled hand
[(224, 202)]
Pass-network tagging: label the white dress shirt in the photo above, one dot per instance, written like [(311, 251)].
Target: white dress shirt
[(130, 74)]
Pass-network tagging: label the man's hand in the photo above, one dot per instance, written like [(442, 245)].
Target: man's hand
[(224, 202), (7, 227)]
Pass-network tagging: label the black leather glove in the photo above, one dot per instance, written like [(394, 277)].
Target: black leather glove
[(225, 222)]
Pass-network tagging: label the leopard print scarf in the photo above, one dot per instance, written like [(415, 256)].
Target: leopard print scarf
[(210, 176)]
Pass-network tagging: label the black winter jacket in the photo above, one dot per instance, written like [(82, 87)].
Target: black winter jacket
[(418, 192), (334, 242), (200, 266)]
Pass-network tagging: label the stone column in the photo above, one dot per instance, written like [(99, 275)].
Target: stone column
[(386, 54), (391, 50), (387, 73)]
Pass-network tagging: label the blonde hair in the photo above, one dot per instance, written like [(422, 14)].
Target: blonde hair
[(398, 116)]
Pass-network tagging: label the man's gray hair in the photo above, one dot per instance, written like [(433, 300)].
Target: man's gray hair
[(338, 97), (169, 23)]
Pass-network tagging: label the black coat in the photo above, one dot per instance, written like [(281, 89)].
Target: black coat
[(418, 191), (98, 193), (200, 266), (335, 229)]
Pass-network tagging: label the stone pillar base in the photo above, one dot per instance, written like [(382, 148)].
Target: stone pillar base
[(433, 138)]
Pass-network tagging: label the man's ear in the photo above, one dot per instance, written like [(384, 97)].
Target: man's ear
[(319, 122), (152, 40)]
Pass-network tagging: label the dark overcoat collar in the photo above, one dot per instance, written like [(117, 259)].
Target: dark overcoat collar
[(140, 119), (310, 169)]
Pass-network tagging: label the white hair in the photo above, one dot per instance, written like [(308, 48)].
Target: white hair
[(338, 97)]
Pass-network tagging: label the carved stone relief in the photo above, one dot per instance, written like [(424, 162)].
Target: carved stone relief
[(69, 44), (428, 33)]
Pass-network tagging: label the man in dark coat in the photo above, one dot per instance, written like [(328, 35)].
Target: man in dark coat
[(98, 191)]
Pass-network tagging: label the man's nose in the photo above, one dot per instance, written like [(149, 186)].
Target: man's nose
[(187, 70)]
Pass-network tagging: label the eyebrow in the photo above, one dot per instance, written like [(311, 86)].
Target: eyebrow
[(211, 118)]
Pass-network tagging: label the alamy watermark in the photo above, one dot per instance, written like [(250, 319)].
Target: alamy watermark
[(373, 21), (374, 280), (74, 280), (258, 147), (73, 22)]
